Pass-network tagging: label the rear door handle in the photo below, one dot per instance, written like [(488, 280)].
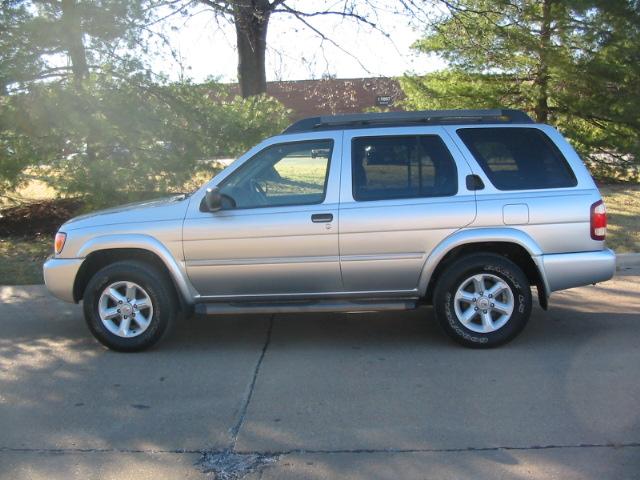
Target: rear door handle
[(322, 217)]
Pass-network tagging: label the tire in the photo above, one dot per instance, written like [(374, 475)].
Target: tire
[(148, 286), (482, 321)]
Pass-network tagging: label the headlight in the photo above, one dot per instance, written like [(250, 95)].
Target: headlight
[(61, 237)]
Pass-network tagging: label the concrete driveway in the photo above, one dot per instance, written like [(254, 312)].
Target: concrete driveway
[(324, 396)]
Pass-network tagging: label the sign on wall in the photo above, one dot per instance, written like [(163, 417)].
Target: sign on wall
[(384, 100)]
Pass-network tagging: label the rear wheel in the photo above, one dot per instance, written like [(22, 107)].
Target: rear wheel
[(129, 306), (483, 300)]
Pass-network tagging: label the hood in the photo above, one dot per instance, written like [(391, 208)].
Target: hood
[(168, 208)]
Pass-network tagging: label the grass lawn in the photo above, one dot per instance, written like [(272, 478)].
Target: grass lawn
[(21, 260), (623, 213)]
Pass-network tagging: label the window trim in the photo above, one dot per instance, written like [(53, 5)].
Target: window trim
[(413, 136), (475, 155), (279, 144)]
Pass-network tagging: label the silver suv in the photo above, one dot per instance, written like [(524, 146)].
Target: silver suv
[(463, 210)]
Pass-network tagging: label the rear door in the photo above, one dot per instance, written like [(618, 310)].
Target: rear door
[(402, 192)]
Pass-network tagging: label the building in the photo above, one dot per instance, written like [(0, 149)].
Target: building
[(308, 98)]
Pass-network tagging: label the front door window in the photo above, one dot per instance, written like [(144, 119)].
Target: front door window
[(280, 175)]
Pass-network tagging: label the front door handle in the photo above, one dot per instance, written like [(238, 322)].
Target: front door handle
[(322, 217)]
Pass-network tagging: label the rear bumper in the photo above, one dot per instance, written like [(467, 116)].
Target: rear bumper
[(60, 275), (568, 270)]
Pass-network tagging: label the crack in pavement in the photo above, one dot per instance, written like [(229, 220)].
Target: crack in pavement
[(235, 430), (72, 451), (299, 451), (229, 464), (449, 450)]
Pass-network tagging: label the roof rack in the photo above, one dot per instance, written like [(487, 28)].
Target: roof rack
[(425, 117)]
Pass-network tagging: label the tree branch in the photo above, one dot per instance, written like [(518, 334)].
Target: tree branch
[(219, 6), (344, 14), (331, 41)]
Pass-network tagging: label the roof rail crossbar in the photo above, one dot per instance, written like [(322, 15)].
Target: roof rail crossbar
[(426, 117)]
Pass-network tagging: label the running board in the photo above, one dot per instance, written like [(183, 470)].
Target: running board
[(303, 307)]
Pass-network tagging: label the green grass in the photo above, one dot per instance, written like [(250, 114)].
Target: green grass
[(623, 213), (299, 176), (21, 260)]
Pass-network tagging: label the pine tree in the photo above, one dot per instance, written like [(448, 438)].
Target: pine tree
[(573, 64)]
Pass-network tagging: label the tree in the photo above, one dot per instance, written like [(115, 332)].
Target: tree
[(87, 34), (57, 42), (17, 60), (101, 125), (251, 20), (570, 63)]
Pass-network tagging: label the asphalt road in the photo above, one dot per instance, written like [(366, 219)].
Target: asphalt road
[(324, 396)]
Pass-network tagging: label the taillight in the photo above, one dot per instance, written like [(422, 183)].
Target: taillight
[(58, 244), (598, 220)]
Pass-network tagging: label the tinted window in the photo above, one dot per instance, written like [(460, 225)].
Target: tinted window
[(283, 174), (518, 158), (402, 167)]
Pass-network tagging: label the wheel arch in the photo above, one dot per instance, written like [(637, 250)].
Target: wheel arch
[(513, 244), (101, 251)]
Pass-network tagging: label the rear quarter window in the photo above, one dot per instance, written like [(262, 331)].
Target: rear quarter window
[(518, 158)]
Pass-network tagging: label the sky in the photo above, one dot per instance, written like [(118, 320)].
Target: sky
[(206, 46)]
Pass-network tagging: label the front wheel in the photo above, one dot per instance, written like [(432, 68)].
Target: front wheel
[(483, 300), (129, 306)]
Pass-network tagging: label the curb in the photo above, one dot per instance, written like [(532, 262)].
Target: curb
[(627, 260)]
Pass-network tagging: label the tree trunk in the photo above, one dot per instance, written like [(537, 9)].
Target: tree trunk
[(73, 42), (542, 77), (251, 21)]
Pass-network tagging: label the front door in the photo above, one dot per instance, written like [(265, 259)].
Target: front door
[(401, 195), (278, 233)]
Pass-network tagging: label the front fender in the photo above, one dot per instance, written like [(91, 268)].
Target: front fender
[(480, 235), (143, 242)]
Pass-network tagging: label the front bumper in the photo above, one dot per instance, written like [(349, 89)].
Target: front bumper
[(568, 270), (60, 275)]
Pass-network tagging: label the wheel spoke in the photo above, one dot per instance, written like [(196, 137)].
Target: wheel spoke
[(503, 308), (131, 291), (142, 321), (124, 326), (487, 321), (478, 283), (497, 288), (143, 303), (466, 296), (110, 313), (468, 315), (115, 295)]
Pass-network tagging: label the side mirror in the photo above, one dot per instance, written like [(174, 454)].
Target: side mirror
[(213, 200)]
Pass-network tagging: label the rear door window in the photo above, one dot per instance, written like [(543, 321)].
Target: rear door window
[(518, 158), (402, 167)]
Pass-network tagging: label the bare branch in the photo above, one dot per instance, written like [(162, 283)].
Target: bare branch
[(343, 14), (331, 41), (177, 11), (219, 6)]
